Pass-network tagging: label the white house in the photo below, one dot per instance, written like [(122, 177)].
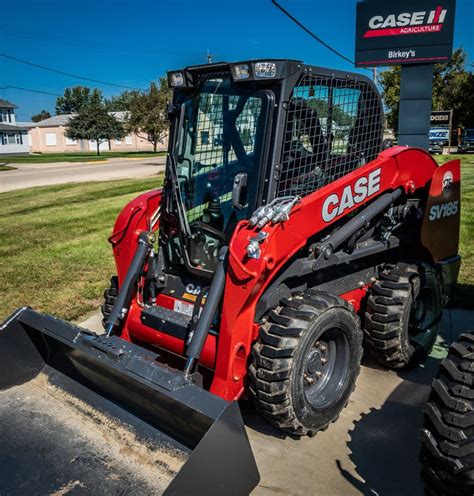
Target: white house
[(13, 138), (48, 136)]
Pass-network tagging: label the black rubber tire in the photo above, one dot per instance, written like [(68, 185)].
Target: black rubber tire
[(291, 334), (110, 295), (391, 316), (447, 438)]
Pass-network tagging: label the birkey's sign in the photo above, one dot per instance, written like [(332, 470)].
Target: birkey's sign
[(406, 31)]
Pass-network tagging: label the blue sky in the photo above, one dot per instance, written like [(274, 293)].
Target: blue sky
[(132, 42)]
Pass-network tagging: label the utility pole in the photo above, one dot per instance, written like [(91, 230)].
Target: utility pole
[(210, 56)]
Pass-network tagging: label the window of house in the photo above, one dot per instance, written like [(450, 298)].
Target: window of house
[(118, 142), (18, 139), (5, 115), (12, 138), (70, 141), (51, 139), (3, 138), (128, 139)]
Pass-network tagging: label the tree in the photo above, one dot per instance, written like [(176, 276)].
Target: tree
[(41, 116), (148, 113), (121, 102), (76, 98), (453, 87), (390, 81), (95, 123)]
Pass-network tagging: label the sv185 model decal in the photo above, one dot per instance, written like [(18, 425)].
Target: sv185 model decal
[(352, 195), (443, 210)]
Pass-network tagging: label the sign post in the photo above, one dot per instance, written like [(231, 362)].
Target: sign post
[(450, 129), (415, 34)]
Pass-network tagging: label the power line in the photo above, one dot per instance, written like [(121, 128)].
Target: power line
[(75, 76), (317, 38), (28, 89)]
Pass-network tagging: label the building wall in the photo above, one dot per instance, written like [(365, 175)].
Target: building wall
[(14, 148), (53, 140), (134, 142)]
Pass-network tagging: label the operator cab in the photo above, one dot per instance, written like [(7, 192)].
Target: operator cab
[(245, 133)]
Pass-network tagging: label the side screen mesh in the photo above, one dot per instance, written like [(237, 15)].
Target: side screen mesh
[(333, 126)]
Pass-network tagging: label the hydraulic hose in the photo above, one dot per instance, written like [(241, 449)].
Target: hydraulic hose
[(122, 303), (210, 307)]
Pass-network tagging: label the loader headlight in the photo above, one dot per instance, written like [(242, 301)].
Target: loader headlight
[(241, 71), (176, 79), (265, 69)]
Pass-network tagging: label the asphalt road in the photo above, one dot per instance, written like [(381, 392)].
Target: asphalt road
[(372, 449), (30, 175)]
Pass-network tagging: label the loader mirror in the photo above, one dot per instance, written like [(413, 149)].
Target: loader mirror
[(239, 191)]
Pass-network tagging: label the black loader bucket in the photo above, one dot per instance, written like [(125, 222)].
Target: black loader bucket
[(83, 413)]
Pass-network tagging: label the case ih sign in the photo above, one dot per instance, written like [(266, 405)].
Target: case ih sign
[(406, 31)]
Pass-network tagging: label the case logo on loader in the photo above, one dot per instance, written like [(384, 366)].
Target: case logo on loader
[(352, 195), (447, 183)]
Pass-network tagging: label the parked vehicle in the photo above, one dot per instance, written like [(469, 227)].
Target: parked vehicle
[(438, 138), (466, 143)]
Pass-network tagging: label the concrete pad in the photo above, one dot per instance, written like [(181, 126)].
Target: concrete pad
[(372, 449), (93, 323)]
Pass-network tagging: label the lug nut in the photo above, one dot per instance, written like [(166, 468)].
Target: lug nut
[(323, 360), (308, 379)]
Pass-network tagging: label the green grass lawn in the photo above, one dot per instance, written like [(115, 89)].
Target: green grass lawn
[(43, 158), (6, 168), (55, 256), (54, 253)]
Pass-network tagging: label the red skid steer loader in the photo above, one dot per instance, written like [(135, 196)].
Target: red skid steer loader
[(283, 239)]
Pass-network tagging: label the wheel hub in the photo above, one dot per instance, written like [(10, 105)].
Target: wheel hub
[(422, 314), (325, 368), (316, 362)]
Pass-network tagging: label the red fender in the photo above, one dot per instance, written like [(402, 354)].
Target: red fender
[(132, 220), (247, 279)]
